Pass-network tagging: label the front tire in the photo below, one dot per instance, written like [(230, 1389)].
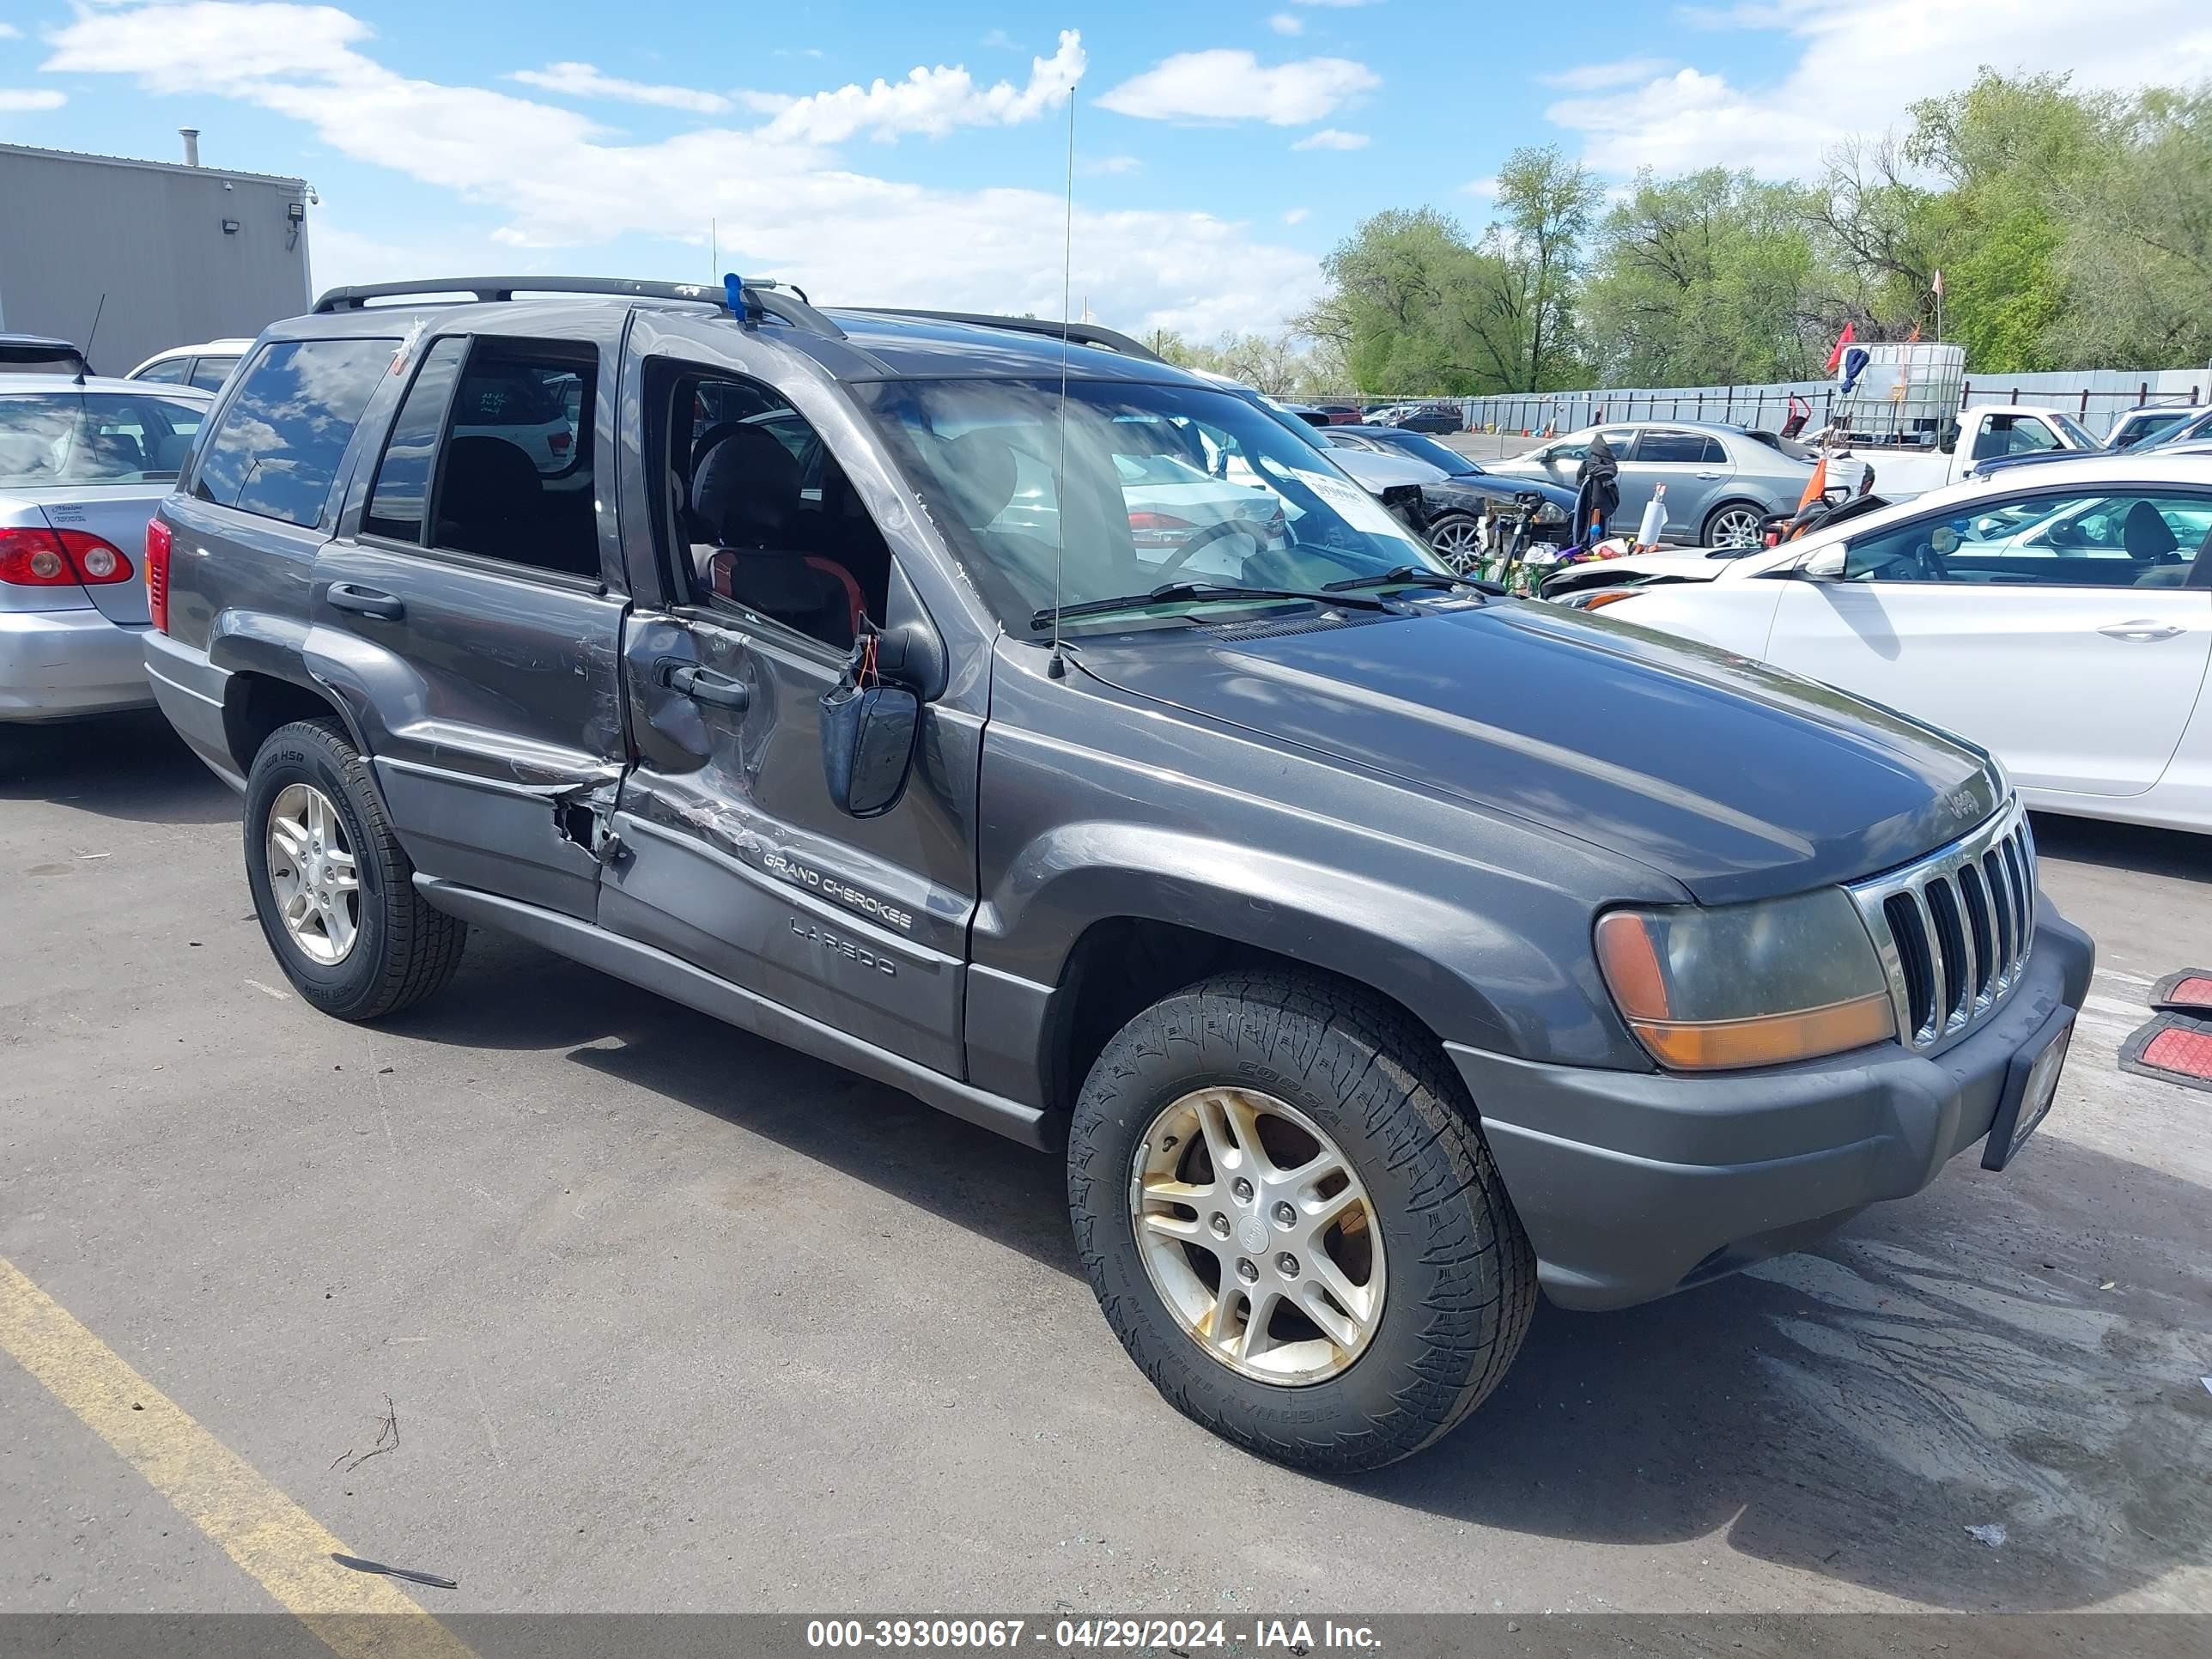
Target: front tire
[(1458, 537), (1292, 1221), (332, 887)]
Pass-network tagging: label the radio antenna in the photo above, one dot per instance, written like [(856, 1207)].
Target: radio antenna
[(1057, 666)]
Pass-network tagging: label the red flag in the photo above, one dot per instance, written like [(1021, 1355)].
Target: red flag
[(1844, 339)]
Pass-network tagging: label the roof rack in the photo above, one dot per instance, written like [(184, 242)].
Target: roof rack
[(761, 298), (1088, 334)]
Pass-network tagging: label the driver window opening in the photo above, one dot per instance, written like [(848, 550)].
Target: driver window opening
[(765, 521)]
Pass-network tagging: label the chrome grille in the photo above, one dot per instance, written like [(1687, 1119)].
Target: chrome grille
[(1953, 930)]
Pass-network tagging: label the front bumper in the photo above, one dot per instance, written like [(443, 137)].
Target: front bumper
[(57, 665), (1633, 1184)]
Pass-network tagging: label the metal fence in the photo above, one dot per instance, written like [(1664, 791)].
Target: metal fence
[(2096, 398)]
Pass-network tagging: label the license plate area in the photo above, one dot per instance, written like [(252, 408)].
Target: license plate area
[(2031, 1085)]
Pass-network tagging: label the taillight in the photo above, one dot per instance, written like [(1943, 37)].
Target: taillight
[(34, 557), (158, 539), (98, 561), (1149, 529), (557, 442)]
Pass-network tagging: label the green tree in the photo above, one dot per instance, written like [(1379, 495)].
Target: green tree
[(1412, 306), (1547, 206), (1703, 280), (2137, 257)]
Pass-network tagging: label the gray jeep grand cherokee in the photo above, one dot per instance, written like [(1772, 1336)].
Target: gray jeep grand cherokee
[(1065, 739)]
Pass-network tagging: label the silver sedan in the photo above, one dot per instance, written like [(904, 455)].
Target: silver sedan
[(1722, 481), (82, 464)]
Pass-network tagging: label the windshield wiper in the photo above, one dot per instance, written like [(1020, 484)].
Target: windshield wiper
[(1418, 575), (1181, 592)]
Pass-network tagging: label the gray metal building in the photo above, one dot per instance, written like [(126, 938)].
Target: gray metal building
[(182, 253)]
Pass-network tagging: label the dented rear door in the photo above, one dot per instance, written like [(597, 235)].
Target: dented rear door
[(487, 691)]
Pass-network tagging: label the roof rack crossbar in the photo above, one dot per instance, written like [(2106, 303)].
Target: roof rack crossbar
[(1088, 334), (771, 299)]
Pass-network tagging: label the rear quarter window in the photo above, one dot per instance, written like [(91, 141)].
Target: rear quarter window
[(277, 451)]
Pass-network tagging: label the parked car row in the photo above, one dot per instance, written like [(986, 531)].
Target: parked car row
[(2060, 616)]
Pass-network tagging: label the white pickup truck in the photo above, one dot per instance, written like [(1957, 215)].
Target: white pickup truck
[(1985, 432)]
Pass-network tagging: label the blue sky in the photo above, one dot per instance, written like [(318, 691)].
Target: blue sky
[(1222, 149)]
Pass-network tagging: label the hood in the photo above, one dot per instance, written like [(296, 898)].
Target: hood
[(1376, 473), (1475, 488), (1739, 781)]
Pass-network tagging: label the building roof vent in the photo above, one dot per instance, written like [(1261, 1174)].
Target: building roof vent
[(191, 137)]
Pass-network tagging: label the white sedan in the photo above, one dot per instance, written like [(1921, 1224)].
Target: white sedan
[(2059, 615)]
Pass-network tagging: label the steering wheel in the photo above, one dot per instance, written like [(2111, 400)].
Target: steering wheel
[(1206, 537)]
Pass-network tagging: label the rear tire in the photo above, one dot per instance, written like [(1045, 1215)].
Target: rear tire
[(1734, 524), (1449, 1282), (386, 950)]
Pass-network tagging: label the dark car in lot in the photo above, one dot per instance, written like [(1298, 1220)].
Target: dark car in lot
[(1432, 417), (1453, 508), (1377, 950)]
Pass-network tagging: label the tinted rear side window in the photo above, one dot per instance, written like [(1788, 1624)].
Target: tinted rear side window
[(170, 371), (209, 373), (1691, 447), (277, 451), (515, 483), (396, 506)]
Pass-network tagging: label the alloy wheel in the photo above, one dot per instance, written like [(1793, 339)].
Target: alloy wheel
[(1738, 526), (1259, 1236), (312, 874), (1461, 543)]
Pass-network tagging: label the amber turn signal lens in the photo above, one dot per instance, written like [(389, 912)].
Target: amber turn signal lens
[(1769, 1040)]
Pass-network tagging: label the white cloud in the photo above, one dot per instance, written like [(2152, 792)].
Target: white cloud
[(1486, 188), (1592, 77), (547, 181), (1100, 167), (9, 31), (999, 41), (14, 99), (583, 81), (1860, 66), (932, 101), (1224, 85), (1283, 23), (1330, 138), (1296, 216)]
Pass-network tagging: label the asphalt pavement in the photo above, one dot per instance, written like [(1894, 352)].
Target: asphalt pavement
[(658, 1316)]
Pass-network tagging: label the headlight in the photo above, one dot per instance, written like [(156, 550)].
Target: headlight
[(1550, 513), (1746, 984)]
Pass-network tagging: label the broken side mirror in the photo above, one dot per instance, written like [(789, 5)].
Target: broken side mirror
[(867, 745)]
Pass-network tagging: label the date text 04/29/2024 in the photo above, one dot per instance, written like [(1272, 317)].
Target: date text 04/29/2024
[(1293, 1636)]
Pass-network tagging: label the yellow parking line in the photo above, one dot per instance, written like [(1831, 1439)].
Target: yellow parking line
[(288, 1550)]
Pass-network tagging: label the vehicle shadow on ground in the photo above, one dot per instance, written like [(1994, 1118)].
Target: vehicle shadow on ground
[(1945, 1363), (133, 767), (512, 995), (2133, 847), (1949, 1362)]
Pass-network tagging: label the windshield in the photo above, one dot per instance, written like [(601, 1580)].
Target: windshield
[(93, 437), (2074, 431), (1161, 484), (1422, 447)]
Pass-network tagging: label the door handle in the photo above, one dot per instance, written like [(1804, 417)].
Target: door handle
[(705, 685), (2141, 632), (1711, 478), (364, 601)]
